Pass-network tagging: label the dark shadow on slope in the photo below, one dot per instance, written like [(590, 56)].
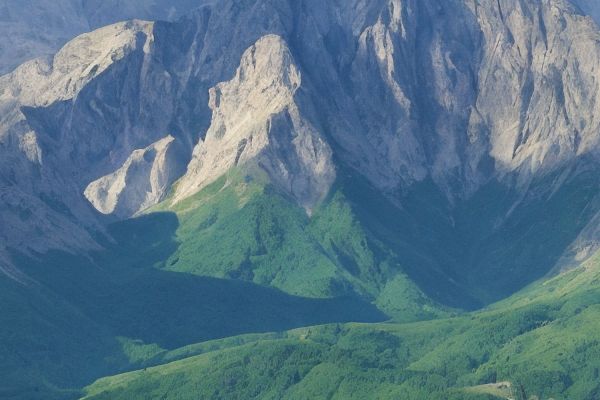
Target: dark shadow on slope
[(419, 233), (122, 291), (513, 239), (483, 248), (62, 330), (46, 343)]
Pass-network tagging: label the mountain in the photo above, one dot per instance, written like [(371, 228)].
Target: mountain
[(438, 127), (35, 28), (541, 343), (265, 165)]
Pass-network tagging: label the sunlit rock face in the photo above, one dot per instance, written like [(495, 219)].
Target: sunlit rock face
[(51, 132), (36, 28), (142, 181), (457, 92), (255, 118)]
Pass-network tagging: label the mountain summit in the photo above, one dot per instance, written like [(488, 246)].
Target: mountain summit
[(395, 93), (350, 160)]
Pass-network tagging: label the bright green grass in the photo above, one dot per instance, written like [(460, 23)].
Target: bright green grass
[(546, 346), (82, 317), (501, 390), (240, 257), (240, 228)]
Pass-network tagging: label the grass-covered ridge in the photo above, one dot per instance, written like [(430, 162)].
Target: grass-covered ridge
[(545, 346), (85, 316), (183, 282), (240, 228)]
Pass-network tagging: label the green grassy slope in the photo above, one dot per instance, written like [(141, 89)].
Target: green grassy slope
[(544, 341), (240, 257), (236, 258), (240, 228), (86, 316)]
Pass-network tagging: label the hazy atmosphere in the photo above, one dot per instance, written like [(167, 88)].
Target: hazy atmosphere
[(300, 199)]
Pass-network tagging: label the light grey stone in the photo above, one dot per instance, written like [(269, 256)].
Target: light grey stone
[(457, 91)]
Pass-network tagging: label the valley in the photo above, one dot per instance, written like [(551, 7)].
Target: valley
[(277, 199)]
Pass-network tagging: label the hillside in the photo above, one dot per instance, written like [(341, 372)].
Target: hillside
[(542, 342), (300, 199)]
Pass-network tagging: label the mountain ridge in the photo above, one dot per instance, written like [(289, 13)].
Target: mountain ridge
[(38, 28), (406, 159), (386, 150)]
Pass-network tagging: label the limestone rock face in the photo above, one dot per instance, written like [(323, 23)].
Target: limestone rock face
[(255, 119), (422, 96), (536, 104), (70, 119), (456, 92), (42, 82), (140, 183), (35, 28), (40, 160)]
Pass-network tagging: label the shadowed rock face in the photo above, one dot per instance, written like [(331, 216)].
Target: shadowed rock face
[(459, 93), (459, 140)]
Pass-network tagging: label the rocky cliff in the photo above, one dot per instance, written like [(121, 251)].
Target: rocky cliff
[(36, 28), (459, 93)]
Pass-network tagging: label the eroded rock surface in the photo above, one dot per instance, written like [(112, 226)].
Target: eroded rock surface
[(400, 92), (255, 119), (141, 182)]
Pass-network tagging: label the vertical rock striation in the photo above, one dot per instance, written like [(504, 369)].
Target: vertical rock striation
[(460, 94), (255, 119)]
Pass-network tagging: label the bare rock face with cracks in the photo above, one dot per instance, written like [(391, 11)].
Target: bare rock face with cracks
[(395, 91), (241, 166)]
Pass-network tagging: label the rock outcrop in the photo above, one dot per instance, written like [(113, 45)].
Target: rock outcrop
[(459, 93), (141, 182), (255, 119), (36, 28), (51, 135)]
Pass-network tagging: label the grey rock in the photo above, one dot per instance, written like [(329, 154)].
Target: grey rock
[(142, 181), (34, 28), (461, 92), (255, 119)]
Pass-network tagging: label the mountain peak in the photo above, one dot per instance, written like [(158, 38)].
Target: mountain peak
[(256, 119), (261, 165), (45, 81)]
